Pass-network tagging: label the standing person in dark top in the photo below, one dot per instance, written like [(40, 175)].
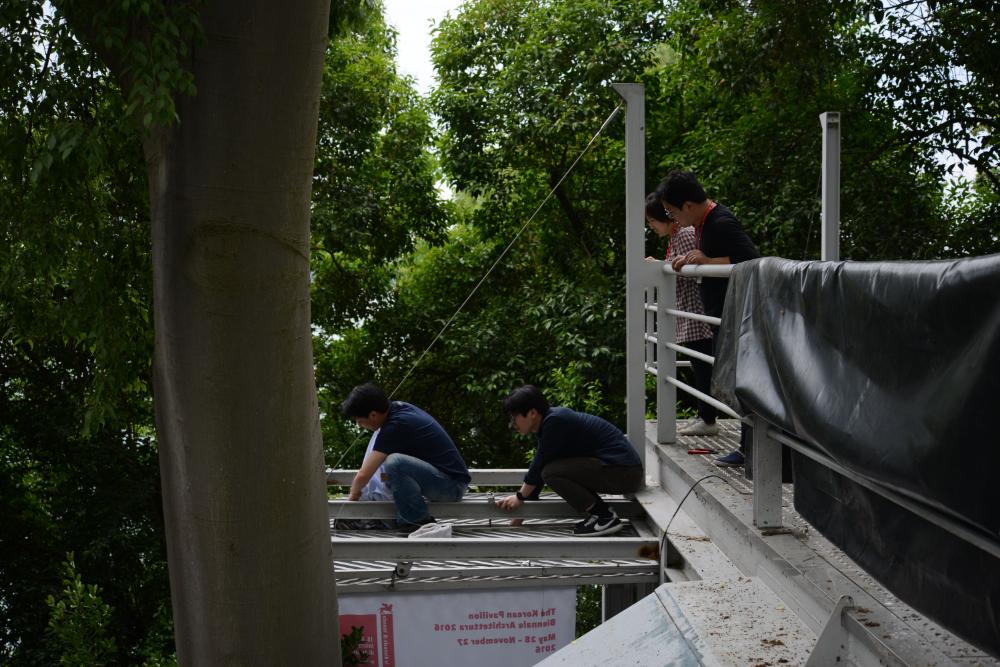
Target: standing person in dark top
[(719, 239), (578, 455), (690, 333), (419, 458)]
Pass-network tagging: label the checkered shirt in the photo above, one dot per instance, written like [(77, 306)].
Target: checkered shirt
[(688, 297)]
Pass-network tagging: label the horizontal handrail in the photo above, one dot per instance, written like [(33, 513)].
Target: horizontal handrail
[(691, 353), (476, 508), (480, 477), (935, 516), (717, 404), (700, 270), (707, 319)]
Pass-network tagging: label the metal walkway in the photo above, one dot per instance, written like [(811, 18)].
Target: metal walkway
[(485, 551), (712, 539)]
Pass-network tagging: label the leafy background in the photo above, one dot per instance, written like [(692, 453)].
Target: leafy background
[(734, 89)]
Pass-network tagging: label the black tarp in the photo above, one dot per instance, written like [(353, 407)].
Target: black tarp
[(891, 369)]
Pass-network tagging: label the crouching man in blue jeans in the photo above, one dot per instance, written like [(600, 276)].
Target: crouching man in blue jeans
[(418, 456), (578, 455)]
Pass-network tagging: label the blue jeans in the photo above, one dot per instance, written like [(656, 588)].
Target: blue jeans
[(411, 480)]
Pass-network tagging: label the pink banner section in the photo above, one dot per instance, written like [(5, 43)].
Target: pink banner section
[(487, 628)]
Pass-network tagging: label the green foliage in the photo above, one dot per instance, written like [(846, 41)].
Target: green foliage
[(350, 643), (78, 467), (735, 95), (374, 198), (517, 82), (373, 191), (588, 609), (733, 90), (79, 622), (937, 67), (523, 88), (148, 44)]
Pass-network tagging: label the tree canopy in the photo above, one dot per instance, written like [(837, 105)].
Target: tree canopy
[(734, 89)]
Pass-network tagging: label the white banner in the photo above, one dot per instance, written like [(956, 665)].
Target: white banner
[(485, 628)]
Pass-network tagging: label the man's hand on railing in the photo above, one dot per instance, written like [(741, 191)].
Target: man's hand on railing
[(696, 257), (693, 257)]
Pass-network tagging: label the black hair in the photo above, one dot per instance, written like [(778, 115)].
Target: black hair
[(363, 399), (523, 399), (679, 187), (654, 208)]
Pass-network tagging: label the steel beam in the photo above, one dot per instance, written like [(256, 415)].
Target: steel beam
[(635, 246), (830, 244), (480, 477), (406, 549), (643, 571), (766, 477), (383, 582), (476, 509)]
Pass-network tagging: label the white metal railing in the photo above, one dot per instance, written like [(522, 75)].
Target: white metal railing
[(661, 351), (655, 352), (660, 338)]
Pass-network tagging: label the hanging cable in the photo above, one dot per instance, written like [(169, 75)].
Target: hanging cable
[(663, 538), (509, 246), (494, 265)]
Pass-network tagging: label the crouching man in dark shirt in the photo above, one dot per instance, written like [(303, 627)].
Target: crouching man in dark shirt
[(578, 455), (419, 458)]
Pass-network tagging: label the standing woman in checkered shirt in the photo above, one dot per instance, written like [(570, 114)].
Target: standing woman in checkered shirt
[(690, 333)]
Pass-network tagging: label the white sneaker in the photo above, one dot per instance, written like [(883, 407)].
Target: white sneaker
[(432, 530), (698, 427)]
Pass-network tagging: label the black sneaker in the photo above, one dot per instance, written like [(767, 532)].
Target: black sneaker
[(730, 460), (594, 526)]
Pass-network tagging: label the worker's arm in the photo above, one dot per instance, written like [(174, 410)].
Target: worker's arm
[(513, 502), (368, 468)]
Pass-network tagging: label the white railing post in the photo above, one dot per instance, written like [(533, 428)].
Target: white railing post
[(830, 243), (666, 361), (766, 477), (635, 242)]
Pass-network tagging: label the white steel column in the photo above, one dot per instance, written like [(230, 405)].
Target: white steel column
[(666, 361), (830, 245), (635, 185), (766, 477)]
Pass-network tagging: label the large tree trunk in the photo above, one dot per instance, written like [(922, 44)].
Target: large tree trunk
[(241, 460)]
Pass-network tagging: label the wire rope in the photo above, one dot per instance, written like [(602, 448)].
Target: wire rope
[(493, 266)]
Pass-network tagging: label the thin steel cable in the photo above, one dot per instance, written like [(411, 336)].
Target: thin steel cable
[(509, 246), (663, 538), (494, 265)]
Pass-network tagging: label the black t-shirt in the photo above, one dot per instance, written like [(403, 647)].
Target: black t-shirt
[(566, 434), (409, 430), (722, 235)]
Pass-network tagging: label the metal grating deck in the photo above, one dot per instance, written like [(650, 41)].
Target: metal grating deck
[(488, 552)]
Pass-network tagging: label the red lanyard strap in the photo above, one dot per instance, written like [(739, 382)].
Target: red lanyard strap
[(701, 225)]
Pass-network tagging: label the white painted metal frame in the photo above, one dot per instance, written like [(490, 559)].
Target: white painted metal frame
[(766, 477), (480, 477), (987, 543), (407, 549), (635, 237), (830, 244), (483, 508)]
